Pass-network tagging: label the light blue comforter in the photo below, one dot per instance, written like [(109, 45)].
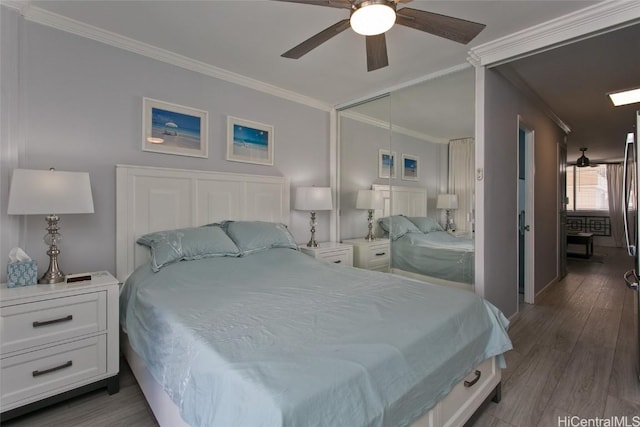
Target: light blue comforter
[(436, 254), (278, 338)]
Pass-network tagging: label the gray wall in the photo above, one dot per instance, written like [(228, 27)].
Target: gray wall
[(359, 145), (81, 110), (9, 57), (503, 103)]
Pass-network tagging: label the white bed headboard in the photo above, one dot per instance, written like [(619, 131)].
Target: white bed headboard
[(401, 200), (151, 199)]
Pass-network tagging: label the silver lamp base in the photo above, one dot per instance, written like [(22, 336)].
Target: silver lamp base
[(370, 236), (52, 238), (449, 226), (312, 242)]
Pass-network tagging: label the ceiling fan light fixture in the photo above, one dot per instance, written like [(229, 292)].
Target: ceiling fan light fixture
[(372, 17), (583, 161)]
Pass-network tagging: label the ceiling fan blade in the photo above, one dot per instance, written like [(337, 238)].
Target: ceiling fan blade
[(315, 41), (458, 30), (340, 4), (376, 52)]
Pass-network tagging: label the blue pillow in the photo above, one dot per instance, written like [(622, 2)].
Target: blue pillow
[(187, 244), (397, 226), (426, 225), (253, 236)]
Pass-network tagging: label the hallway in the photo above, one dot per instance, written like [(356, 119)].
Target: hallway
[(573, 350)]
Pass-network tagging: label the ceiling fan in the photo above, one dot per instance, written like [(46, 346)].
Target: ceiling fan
[(373, 18)]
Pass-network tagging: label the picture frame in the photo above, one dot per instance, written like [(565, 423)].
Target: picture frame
[(386, 164), (174, 129), (410, 167), (249, 142)]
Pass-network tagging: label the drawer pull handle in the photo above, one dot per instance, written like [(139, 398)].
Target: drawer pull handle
[(473, 382), (337, 262), (381, 253), (50, 322), (57, 368)]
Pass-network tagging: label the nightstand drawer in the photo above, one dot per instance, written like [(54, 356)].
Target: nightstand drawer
[(372, 255), (38, 373), (330, 252), (377, 257), (23, 326), (341, 257), (379, 253)]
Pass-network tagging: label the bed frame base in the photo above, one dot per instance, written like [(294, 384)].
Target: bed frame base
[(495, 396), (163, 408), (168, 415)]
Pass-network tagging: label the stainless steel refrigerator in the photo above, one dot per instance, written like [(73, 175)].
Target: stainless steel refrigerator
[(632, 225)]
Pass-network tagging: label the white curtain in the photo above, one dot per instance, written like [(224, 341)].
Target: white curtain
[(616, 188), (462, 181)]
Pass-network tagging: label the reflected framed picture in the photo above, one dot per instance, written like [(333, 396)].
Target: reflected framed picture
[(174, 129), (410, 167), (249, 142), (386, 164)]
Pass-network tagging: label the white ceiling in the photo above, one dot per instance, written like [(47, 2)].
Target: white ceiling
[(248, 37), (574, 81), (438, 110)]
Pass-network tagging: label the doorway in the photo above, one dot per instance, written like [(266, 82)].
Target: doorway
[(525, 221)]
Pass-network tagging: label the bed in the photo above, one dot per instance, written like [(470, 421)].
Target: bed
[(274, 337), (420, 248)]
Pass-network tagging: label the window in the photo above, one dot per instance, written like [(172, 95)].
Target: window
[(587, 188)]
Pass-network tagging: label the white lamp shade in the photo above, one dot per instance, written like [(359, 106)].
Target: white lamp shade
[(369, 199), (447, 201), (49, 192), (313, 199)]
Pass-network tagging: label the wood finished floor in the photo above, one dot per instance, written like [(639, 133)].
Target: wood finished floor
[(573, 356)]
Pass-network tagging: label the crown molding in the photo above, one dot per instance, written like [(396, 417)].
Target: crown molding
[(599, 18), (363, 118), (391, 89), (18, 5), (59, 22)]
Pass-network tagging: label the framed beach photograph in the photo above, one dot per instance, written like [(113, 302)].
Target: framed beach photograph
[(174, 129), (249, 142), (386, 164), (410, 167)]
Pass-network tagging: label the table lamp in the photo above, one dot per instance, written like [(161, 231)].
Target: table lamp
[(313, 199), (447, 202), (370, 200), (50, 193)]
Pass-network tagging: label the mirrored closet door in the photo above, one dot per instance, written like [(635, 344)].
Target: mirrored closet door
[(415, 150)]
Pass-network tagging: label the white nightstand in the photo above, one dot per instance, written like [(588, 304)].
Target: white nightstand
[(336, 253), (57, 341), (372, 255)]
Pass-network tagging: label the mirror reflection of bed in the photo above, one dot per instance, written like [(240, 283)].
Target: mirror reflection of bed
[(420, 246)]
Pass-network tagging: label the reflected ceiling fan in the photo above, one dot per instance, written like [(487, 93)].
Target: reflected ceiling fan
[(372, 18)]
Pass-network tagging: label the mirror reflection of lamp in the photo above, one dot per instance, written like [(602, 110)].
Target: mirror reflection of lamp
[(448, 202), (370, 200)]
